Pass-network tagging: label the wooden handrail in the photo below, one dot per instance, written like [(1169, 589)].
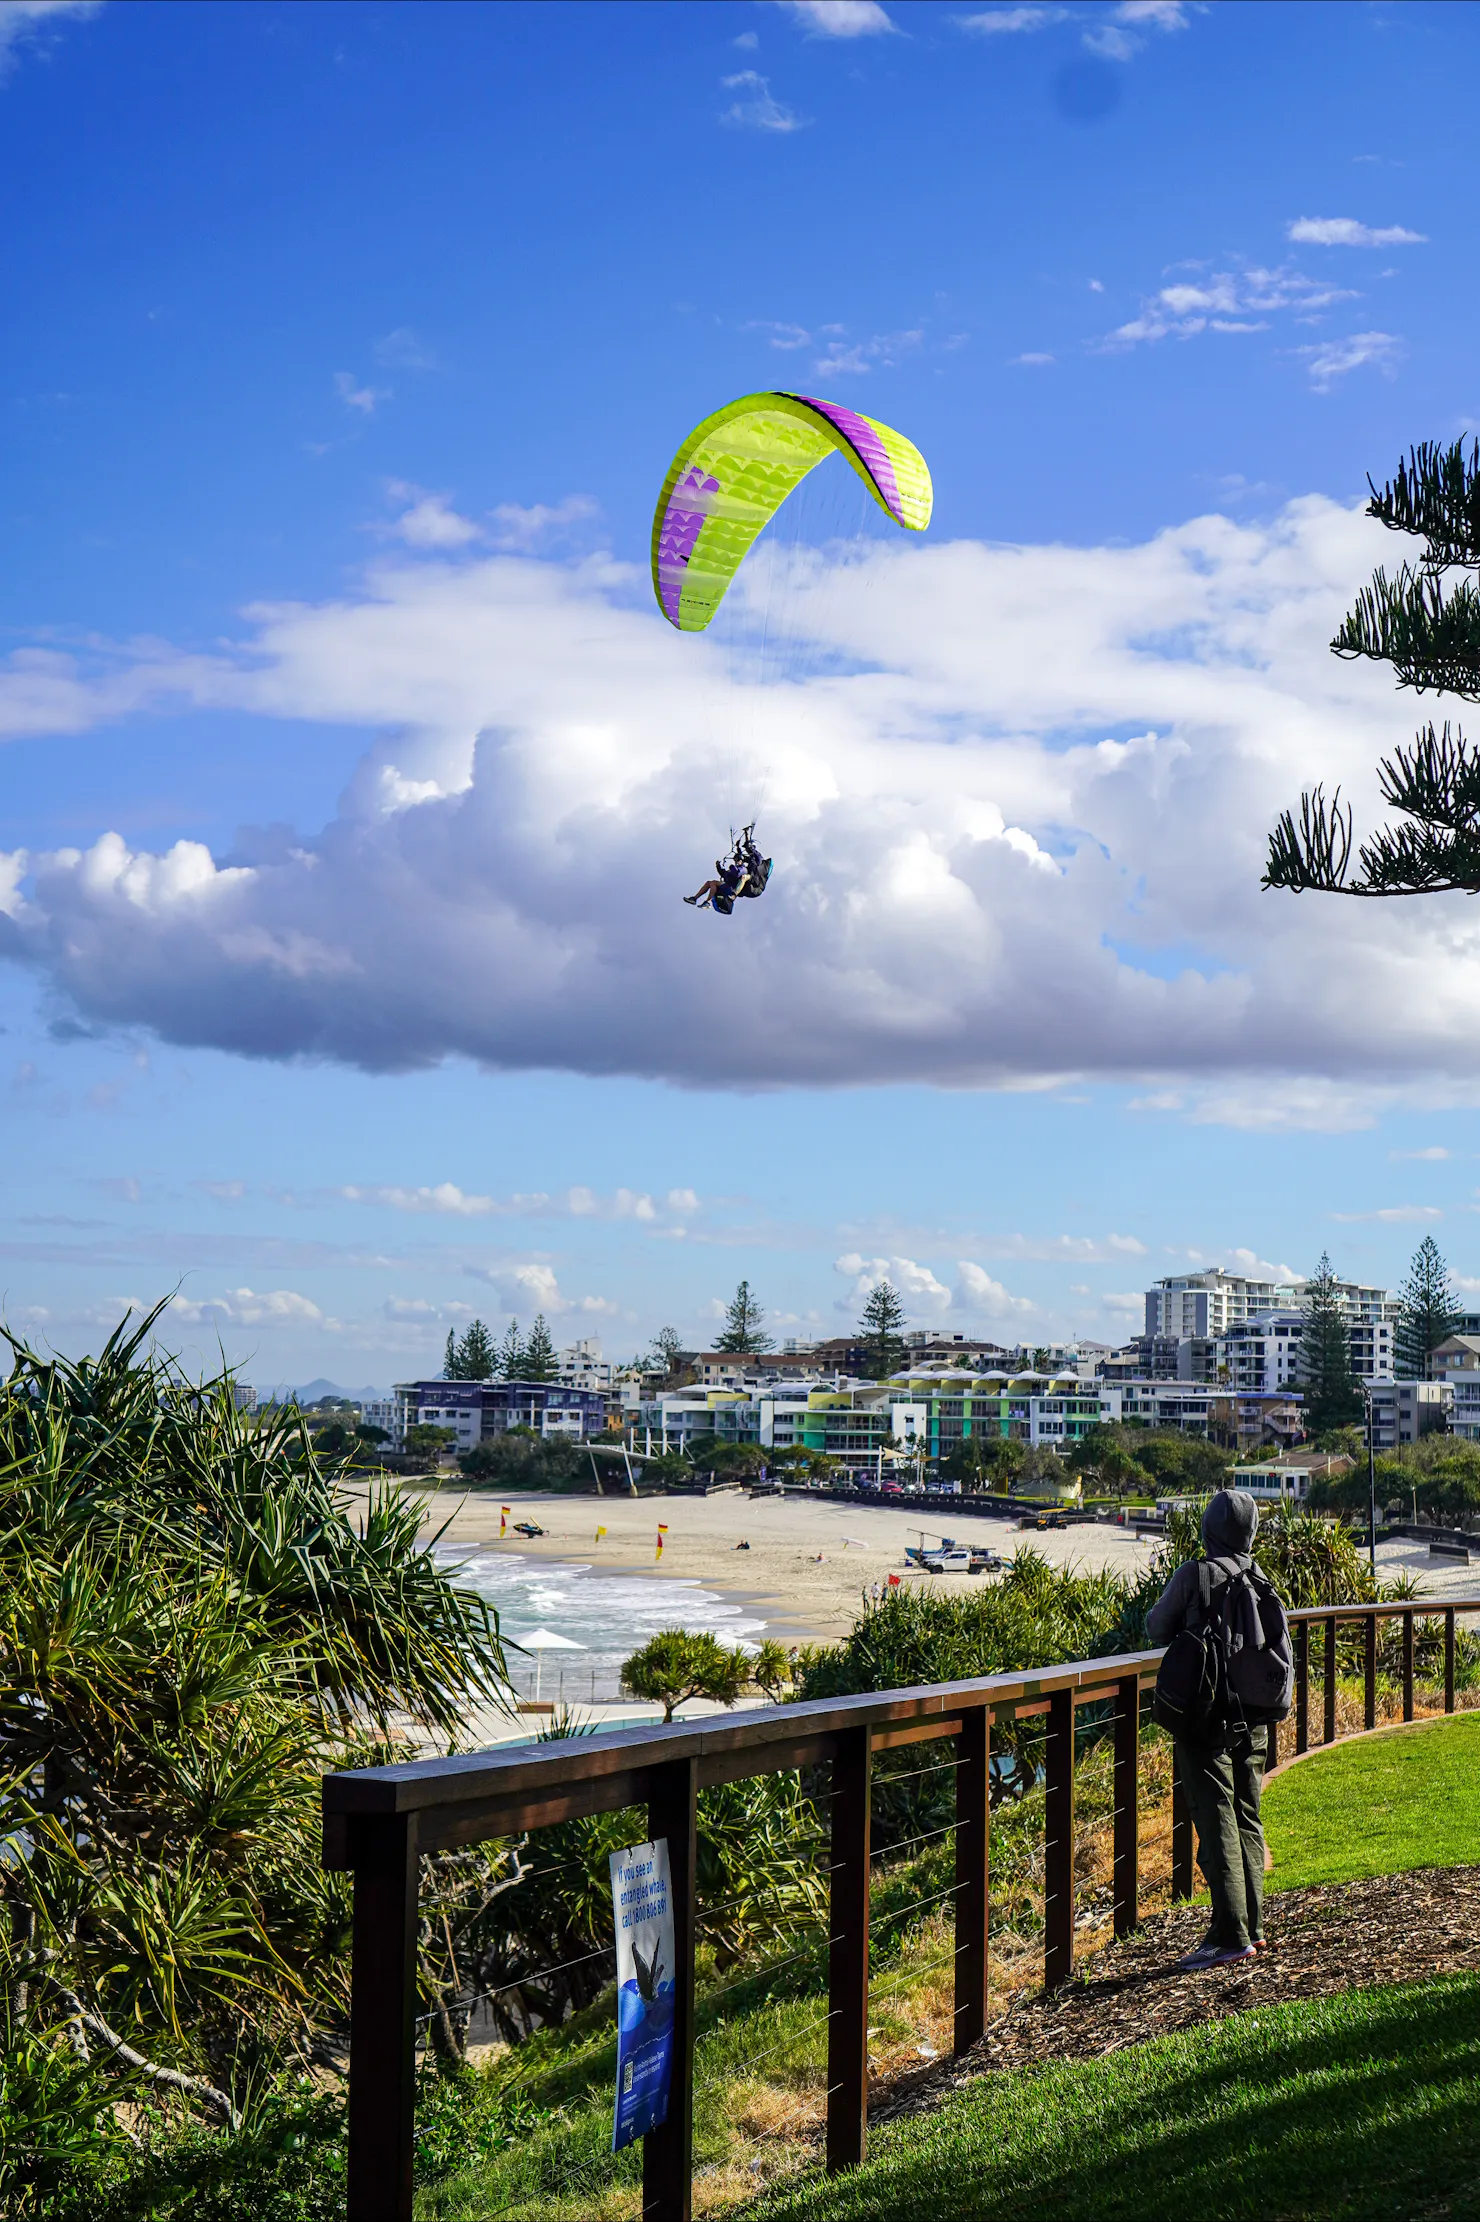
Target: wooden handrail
[(379, 1820)]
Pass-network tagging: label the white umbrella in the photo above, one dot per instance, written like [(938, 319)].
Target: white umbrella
[(545, 1639)]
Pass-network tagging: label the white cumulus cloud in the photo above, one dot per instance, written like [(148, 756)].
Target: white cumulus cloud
[(990, 765), (980, 1293), (913, 1281)]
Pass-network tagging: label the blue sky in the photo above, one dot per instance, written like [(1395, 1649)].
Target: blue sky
[(353, 778)]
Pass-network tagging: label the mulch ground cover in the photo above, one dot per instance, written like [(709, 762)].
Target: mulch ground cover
[(1335, 1937)]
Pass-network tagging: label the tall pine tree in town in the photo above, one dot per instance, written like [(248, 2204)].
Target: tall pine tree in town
[(1424, 623), (1430, 1313), (476, 1353), (744, 1324), (1328, 1385), (450, 1360), (881, 1328), (538, 1362), (511, 1354)]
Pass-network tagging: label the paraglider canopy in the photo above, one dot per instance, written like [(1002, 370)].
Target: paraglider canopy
[(735, 470)]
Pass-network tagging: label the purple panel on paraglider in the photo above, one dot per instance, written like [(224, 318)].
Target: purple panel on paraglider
[(681, 528), (860, 434)]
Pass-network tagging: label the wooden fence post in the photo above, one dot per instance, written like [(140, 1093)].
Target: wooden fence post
[(1369, 1671), (1329, 1691), (1181, 1834), (1449, 1659), (973, 1857), (382, 2045), (847, 1959), (668, 2150), (1058, 1850), (1302, 1685), (1407, 1666), (1127, 1785)]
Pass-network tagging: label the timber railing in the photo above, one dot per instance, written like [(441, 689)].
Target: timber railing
[(379, 1820)]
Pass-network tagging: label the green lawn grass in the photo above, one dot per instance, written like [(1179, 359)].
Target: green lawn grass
[(1361, 2108), (1377, 1807)]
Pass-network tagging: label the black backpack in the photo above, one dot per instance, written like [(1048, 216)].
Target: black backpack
[(1231, 1667)]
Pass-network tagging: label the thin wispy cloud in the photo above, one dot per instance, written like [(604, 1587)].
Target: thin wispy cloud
[(365, 399), (1239, 300), (1389, 1215), (840, 19), (541, 524), (990, 23), (1122, 36), (1434, 1155), (404, 349), (1381, 351), (34, 23), (755, 107), (447, 1199), (1345, 231)]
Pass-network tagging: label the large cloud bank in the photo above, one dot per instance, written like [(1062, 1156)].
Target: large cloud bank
[(1018, 811)]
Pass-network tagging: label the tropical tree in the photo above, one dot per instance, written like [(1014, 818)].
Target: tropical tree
[(1328, 1384), (1425, 623), (676, 1665), (744, 1324), (881, 1329), (668, 1351), (196, 1619), (1430, 1314)]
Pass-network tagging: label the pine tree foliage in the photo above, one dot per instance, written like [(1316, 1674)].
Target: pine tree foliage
[(511, 1354), (538, 1360), (1332, 1398), (474, 1357), (881, 1326), (1430, 1313), (744, 1324), (1425, 623)]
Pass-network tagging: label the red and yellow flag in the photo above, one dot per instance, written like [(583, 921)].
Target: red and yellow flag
[(662, 1531), (503, 1520)]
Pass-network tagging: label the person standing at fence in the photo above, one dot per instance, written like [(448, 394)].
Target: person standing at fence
[(1222, 1765)]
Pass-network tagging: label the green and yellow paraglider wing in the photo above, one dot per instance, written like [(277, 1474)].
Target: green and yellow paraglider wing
[(735, 470)]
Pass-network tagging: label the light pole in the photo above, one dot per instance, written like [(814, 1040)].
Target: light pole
[(1371, 1485)]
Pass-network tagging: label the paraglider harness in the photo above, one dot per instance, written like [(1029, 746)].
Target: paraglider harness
[(744, 872)]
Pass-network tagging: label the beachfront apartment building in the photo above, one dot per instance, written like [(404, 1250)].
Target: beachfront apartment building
[(476, 1411), (1207, 1304), (1202, 1307), (923, 1411)]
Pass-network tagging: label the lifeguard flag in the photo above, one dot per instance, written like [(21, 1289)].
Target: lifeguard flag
[(503, 1520), (662, 1531)]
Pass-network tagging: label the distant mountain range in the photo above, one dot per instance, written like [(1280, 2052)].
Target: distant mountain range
[(309, 1392)]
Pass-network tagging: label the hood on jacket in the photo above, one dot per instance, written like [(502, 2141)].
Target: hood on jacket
[(1229, 1524)]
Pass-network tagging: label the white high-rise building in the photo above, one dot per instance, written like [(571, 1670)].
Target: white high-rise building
[(1191, 1305)]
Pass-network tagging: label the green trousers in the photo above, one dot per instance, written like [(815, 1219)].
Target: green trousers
[(1222, 1790)]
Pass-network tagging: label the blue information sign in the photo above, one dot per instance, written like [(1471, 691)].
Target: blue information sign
[(642, 1908)]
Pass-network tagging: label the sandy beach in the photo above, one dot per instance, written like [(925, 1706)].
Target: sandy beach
[(810, 1560)]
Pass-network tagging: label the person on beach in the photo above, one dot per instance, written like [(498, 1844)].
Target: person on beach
[(1224, 1777)]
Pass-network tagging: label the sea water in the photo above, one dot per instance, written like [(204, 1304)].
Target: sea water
[(609, 1615)]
